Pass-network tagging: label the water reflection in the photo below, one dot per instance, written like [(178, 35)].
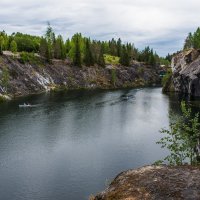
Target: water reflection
[(67, 147)]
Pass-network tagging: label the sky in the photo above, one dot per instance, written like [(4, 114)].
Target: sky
[(161, 24)]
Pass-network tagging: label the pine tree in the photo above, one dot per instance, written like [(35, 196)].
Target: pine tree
[(77, 51), (45, 50), (67, 46), (13, 46), (101, 60), (59, 48), (88, 58), (119, 47), (124, 59)]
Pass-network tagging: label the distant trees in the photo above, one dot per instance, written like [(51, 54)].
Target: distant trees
[(80, 50)]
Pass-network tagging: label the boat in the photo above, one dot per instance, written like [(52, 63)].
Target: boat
[(124, 97), (25, 105)]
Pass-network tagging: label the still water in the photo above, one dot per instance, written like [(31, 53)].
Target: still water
[(73, 143)]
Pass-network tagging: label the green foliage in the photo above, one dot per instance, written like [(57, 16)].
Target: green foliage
[(5, 77), (148, 56), (88, 58), (13, 46), (192, 40), (76, 50), (111, 60), (80, 50), (124, 59), (182, 139), (101, 60), (59, 48), (26, 57), (26, 42), (166, 77), (1, 44), (164, 61)]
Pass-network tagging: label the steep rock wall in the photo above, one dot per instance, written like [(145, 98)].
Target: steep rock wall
[(185, 73), (25, 79)]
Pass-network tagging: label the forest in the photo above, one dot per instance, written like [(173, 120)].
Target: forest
[(79, 49)]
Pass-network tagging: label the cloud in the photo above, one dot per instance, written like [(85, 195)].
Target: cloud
[(161, 24)]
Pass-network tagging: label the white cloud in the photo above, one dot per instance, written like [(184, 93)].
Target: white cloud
[(163, 24)]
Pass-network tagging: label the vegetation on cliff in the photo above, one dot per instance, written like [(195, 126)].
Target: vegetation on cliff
[(192, 40), (182, 139)]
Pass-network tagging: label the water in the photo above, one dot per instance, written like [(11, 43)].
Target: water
[(72, 144)]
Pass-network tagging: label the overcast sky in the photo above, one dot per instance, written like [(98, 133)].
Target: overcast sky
[(162, 24)]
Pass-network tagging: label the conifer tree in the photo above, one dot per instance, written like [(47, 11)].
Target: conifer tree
[(88, 58), (13, 46), (119, 47), (77, 51), (124, 59), (101, 60)]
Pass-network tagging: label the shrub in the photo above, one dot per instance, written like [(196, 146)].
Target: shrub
[(182, 139)]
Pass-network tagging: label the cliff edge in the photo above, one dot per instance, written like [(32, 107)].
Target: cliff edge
[(153, 183), (185, 73)]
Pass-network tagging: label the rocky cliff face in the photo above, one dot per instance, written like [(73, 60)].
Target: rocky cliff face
[(153, 183), (25, 79), (185, 73)]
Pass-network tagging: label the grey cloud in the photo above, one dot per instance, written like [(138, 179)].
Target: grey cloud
[(162, 24)]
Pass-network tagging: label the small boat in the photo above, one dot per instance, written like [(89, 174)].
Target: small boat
[(125, 97), (25, 105)]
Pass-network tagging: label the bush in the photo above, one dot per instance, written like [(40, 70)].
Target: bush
[(182, 139), (111, 60), (26, 57), (166, 77)]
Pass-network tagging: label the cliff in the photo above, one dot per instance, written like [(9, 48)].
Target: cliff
[(39, 76), (185, 73), (153, 183)]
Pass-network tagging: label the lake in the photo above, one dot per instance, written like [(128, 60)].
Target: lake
[(72, 144)]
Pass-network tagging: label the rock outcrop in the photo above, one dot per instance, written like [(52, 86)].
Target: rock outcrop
[(153, 183), (36, 77), (185, 73)]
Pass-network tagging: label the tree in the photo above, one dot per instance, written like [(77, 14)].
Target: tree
[(77, 51), (188, 42), (1, 44), (183, 137), (101, 60), (88, 58), (59, 48), (124, 59), (13, 46), (44, 49), (67, 46), (119, 47)]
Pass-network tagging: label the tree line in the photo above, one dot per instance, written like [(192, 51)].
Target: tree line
[(192, 40), (81, 50)]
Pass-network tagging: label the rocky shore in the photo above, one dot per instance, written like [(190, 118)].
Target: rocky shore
[(153, 183), (37, 77)]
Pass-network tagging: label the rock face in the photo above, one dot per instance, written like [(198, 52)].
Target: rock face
[(186, 73), (38, 77), (153, 183)]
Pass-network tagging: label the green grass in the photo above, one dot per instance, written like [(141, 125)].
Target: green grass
[(111, 60)]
